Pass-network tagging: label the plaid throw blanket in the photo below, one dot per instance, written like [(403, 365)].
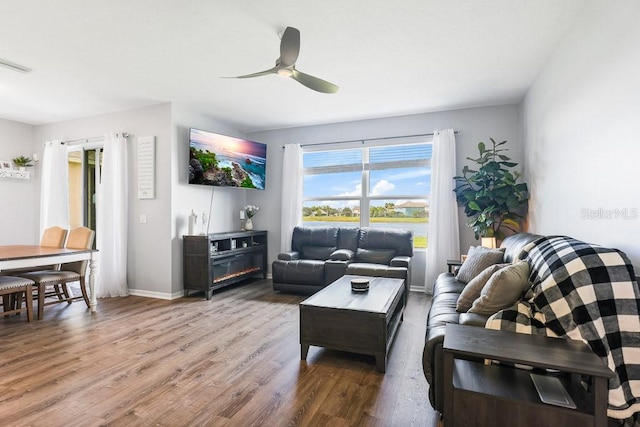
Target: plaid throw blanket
[(589, 293)]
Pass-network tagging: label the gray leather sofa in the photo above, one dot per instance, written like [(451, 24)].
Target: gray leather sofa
[(321, 255), (446, 291)]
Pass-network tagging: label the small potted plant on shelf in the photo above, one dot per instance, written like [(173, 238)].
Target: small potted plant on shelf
[(491, 195), (21, 162)]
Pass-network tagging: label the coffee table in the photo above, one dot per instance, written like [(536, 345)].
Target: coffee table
[(360, 322)]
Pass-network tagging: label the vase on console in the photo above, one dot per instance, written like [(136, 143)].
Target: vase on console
[(250, 211)]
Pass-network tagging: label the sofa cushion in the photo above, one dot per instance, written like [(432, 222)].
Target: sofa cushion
[(342, 255), (375, 256), (376, 270), (313, 236), (478, 258), (348, 238), (503, 289), (378, 238), (321, 253), (446, 283), (472, 290)]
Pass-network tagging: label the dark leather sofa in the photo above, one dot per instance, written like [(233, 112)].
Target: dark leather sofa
[(321, 255), (446, 291)]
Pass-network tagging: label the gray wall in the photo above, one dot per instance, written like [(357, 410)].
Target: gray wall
[(155, 248), (474, 125), (20, 198), (222, 204), (149, 257), (580, 124)]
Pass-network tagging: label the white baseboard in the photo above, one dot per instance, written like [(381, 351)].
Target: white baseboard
[(157, 295), (416, 289)]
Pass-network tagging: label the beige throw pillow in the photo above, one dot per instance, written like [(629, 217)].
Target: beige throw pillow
[(477, 260), (503, 289), (472, 291)]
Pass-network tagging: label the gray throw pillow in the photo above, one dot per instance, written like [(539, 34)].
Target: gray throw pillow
[(471, 292), (321, 253), (478, 258), (503, 289)]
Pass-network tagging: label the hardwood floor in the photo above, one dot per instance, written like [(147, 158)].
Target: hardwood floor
[(230, 361)]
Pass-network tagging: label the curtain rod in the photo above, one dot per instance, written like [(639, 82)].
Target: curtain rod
[(369, 139), (91, 139)]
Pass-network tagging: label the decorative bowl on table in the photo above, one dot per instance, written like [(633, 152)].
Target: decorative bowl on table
[(359, 285)]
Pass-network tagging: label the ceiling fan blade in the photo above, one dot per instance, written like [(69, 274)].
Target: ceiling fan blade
[(273, 70), (314, 82), (289, 46)]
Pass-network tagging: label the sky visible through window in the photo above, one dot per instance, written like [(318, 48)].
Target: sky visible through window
[(398, 194), (383, 182)]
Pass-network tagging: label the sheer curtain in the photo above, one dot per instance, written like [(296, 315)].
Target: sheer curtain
[(291, 194), (444, 242), (112, 219), (54, 186)]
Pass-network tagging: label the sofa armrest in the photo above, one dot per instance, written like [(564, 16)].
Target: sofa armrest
[(289, 256), (342, 255), (473, 319), (334, 269), (400, 261)]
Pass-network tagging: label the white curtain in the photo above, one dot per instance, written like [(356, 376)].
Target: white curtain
[(291, 194), (54, 188), (443, 232), (112, 219)]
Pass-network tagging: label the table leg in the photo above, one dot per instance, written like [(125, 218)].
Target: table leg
[(304, 350), (448, 389), (601, 399), (381, 362), (93, 271)]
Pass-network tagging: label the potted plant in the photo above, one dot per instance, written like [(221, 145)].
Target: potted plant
[(491, 194), (22, 162)]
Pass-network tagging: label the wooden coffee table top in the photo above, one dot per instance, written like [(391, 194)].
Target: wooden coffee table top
[(338, 295)]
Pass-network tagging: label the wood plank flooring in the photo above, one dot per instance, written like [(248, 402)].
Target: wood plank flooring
[(230, 361)]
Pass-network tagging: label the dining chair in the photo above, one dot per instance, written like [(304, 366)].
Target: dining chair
[(53, 237), (12, 290), (57, 279)]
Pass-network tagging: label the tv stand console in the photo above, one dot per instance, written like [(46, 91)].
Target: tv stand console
[(217, 260)]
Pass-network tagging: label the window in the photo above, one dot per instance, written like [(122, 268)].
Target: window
[(377, 186)]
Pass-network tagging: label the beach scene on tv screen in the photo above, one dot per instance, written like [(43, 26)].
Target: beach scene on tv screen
[(226, 161)]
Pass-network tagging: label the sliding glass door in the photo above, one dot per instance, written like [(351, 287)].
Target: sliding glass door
[(85, 165)]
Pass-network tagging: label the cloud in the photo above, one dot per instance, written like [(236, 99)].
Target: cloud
[(383, 186), (357, 192)]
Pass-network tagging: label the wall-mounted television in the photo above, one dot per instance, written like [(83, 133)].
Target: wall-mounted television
[(225, 161)]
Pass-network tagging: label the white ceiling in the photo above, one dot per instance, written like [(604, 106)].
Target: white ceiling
[(388, 57)]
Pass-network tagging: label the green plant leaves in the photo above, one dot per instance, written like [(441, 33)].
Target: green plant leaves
[(491, 195)]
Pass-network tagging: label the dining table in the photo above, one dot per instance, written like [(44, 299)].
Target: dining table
[(30, 256)]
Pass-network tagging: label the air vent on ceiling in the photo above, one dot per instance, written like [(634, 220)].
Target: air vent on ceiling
[(13, 66)]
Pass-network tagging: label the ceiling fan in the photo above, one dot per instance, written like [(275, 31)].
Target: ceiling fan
[(286, 64)]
